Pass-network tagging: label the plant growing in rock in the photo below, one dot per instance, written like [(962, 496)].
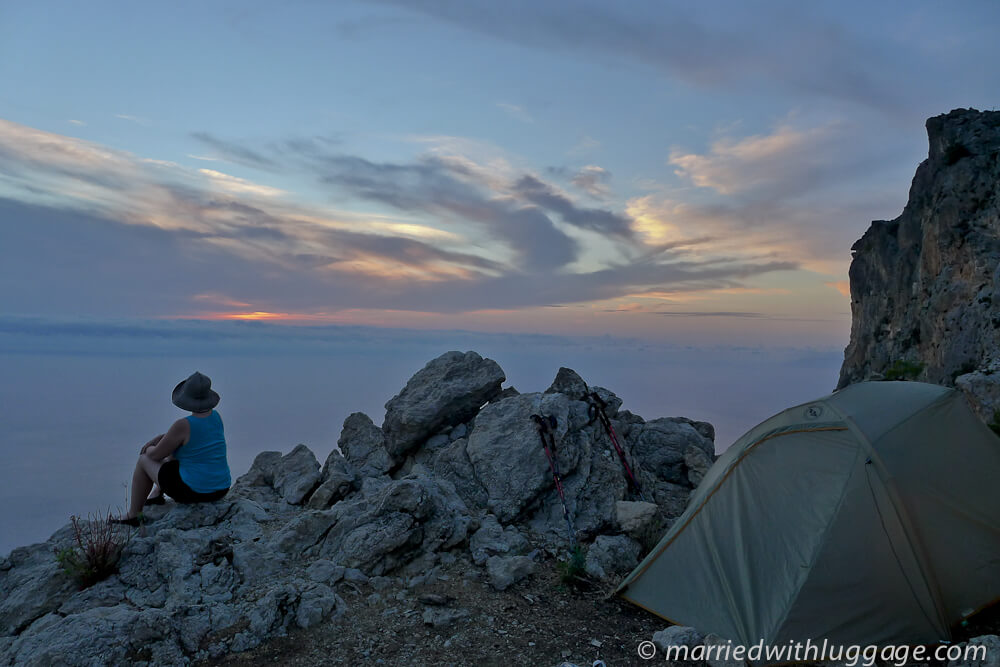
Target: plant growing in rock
[(572, 570), (98, 549), (904, 370)]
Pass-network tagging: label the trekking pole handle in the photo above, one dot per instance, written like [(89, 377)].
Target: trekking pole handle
[(597, 399)]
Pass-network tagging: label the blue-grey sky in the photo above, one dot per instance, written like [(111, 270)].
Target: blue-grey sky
[(680, 172)]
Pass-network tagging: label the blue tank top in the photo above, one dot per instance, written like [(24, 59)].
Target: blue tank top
[(202, 458)]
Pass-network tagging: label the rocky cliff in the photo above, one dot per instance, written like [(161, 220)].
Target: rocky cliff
[(924, 287), (455, 484)]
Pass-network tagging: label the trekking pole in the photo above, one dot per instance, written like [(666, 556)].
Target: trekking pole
[(597, 405), (545, 426)]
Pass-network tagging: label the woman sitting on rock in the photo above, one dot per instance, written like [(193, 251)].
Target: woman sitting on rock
[(188, 462)]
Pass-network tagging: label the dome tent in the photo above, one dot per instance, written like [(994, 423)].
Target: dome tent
[(870, 516)]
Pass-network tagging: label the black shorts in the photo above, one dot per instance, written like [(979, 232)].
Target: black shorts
[(169, 479)]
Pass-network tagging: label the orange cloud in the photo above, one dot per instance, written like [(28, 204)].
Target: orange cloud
[(842, 286)]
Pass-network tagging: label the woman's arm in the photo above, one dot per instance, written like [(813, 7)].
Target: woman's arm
[(175, 436), (152, 443)]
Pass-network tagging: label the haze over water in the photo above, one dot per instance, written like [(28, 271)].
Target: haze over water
[(78, 401)]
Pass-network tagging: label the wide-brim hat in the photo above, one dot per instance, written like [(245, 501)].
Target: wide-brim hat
[(195, 394)]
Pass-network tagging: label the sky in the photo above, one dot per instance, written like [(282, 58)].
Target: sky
[(676, 172)]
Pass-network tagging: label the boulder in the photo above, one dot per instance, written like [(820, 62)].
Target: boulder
[(449, 390), (492, 539), (640, 521), (567, 382), (505, 571), (337, 481), (363, 445), (507, 455), (402, 519), (296, 475), (612, 556), (611, 400), (659, 446), (697, 462), (677, 635)]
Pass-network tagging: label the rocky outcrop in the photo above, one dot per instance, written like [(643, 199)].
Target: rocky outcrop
[(925, 287), (448, 390), (454, 483)]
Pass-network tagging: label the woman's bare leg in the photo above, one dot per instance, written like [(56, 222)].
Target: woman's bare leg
[(142, 482), (157, 491)]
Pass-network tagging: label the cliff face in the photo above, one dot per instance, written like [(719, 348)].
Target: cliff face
[(924, 287)]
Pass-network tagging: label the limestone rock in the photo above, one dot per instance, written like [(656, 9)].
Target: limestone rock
[(363, 445), (325, 571), (505, 571), (611, 401), (982, 388), (677, 635), (34, 586), (337, 481), (640, 521), (492, 539), (660, 445), (925, 294), (448, 390), (452, 464), (697, 462), (442, 618), (992, 657), (611, 556), (568, 382), (296, 475), (507, 455), (315, 604)]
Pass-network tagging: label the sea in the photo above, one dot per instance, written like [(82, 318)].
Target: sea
[(79, 398)]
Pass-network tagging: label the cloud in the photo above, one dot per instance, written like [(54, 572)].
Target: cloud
[(786, 162), (598, 220), (594, 181), (449, 189), (516, 112), (234, 152), (796, 48), (239, 185), (151, 238), (677, 313), (73, 121), (842, 286), (132, 119)]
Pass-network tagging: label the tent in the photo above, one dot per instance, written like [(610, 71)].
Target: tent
[(870, 516)]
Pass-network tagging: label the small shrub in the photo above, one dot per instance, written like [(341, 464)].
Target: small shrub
[(572, 569), (904, 370), (99, 546)]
